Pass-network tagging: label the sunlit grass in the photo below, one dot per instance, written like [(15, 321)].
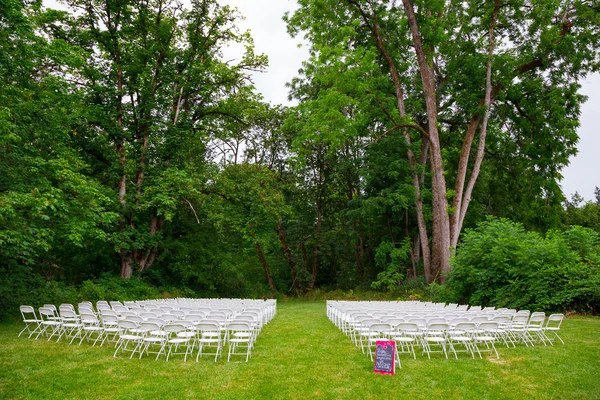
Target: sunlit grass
[(299, 355)]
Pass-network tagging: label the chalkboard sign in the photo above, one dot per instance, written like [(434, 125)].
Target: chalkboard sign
[(385, 360)]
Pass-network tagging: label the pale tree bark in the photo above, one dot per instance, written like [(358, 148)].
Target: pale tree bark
[(462, 210), (399, 93), (441, 226)]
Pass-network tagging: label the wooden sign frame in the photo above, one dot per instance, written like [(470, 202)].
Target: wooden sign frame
[(385, 351)]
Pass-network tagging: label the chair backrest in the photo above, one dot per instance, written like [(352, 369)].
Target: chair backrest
[(127, 325), (381, 328), (169, 317), (404, 327), (146, 315), (208, 326), (135, 319), (174, 327), (488, 326), (394, 321), (437, 328), (239, 326), (178, 313), (28, 312), (197, 313), (368, 322), (68, 314), (468, 327), (87, 317), (422, 322), (193, 318), (479, 318), (158, 321), (456, 321), (537, 319), (436, 320), (149, 326), (108, 319), (555, 320)]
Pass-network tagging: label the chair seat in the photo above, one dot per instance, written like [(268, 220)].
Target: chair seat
[(436, 339), (209, 340), (404, 339), (462, 338), (178, 340), (240, 340)]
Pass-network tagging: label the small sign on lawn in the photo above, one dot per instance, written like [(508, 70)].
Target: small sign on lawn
[(385, 362)]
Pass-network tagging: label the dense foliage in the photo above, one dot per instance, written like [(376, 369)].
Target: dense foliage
[(501, 264), (131, 148)]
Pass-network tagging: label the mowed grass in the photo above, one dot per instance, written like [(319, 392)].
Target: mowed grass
[(301, 355)]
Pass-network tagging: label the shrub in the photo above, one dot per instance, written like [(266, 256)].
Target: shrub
[(500, 263)]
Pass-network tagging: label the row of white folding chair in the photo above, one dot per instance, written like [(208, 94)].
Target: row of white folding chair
[(435, 336), (139, 337)]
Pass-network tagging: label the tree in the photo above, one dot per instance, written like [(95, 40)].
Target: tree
[(157, 90), (462, 77), (46, 198)]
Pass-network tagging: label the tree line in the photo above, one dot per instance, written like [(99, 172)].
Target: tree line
[(132, 147)]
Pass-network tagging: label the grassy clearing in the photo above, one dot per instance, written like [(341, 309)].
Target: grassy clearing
[(300, 354)]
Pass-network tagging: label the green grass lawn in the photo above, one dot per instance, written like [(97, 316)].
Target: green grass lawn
[(301, 355)]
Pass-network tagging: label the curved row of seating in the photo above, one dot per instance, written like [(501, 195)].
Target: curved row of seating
[(437, 327), (162, 327)]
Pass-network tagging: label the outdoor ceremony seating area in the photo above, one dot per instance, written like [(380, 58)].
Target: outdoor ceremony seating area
[(191, 328), (427, 328)]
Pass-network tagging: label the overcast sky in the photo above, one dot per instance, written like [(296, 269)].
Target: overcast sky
[(264, 19)]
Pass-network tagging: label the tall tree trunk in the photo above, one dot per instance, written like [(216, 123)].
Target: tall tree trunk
[(265, 265), (441, 225), (126, 267), (417, 183), (464, 202), (289, 258)]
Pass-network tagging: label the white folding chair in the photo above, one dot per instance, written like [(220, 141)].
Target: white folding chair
[(535, 328), (406, 336), (70, 324), (176, 337), (209, 335), (553, 326), (486, 334), (50, 324), (91, 326), (436, 336), (461, 336), (129, 334), (30, 319), (241, 335)]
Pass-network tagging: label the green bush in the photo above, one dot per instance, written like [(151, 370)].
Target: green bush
[(500, 263)]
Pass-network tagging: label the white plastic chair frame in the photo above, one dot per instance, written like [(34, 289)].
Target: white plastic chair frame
[(90, 326), (209, 334), (241, 335), (50, 324), (552, 327), (129, 334), (30, 319)]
